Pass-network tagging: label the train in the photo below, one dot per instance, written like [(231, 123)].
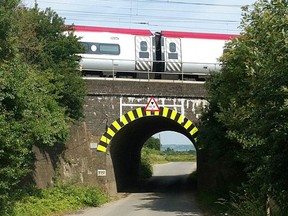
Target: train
[(139, 53)]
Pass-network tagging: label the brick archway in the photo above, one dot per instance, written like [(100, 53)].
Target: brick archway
[(141, 113)]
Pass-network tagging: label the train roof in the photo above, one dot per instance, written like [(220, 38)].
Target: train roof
[(141, 32), (213, 36)]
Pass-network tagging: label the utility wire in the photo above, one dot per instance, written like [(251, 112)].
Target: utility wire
[(142, 8), (126, 12), (161, 1), (172, 19)]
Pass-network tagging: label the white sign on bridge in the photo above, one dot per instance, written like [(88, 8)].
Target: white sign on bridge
[(152, 105), (101, 172)]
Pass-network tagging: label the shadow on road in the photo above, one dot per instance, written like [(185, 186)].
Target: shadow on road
[(170, 194), (169, 184)]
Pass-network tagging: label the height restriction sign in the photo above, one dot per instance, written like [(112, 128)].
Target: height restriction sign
[(152, 105)]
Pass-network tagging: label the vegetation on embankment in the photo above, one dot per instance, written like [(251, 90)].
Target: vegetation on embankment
[(41, 92), (57, 200), (247, 117)]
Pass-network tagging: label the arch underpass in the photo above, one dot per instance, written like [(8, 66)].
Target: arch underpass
[(126, 136)]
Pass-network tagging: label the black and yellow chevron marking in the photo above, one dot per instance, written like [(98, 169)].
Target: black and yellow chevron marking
[(140, 113)]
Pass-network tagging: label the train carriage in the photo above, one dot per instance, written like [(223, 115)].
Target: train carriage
[(116, 51), (191, 54), (140, 53)]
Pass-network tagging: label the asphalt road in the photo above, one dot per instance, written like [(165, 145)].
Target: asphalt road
[(165, 194)]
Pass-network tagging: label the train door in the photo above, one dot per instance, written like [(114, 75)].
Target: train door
[(144, 57), (173, 57)]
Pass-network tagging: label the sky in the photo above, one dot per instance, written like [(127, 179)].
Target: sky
[(172, 138), (206, 16)]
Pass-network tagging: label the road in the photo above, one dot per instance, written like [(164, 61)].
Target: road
[(165, 194)]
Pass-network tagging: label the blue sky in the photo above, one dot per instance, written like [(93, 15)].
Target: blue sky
[(214, 16), (207, 16), (172, 138)]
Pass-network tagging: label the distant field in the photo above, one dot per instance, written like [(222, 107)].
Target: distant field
[(178, 147), (180, 157), (158, 157)]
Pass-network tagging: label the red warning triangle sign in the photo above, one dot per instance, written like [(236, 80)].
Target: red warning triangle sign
[(152, 105)]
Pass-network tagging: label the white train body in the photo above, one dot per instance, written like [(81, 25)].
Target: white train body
[(116, 50), (192, 53), (113, 51)]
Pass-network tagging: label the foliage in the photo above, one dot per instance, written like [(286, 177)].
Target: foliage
[(146, 168), (47, 43), (248, 204), (248, 101), (211, 204), (7, 27), (153, 143), (29, 115), (40, 89), (56, 200)]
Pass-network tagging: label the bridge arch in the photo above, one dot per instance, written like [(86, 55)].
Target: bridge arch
[(125, 137), (138, 113)]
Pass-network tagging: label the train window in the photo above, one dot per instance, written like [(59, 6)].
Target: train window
[(112, 49), (143, 46), (99, 48), (172, 47)]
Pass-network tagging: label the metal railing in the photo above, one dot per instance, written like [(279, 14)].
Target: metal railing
[(117, 69)]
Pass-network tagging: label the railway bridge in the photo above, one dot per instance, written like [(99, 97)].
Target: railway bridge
[(105, 149)]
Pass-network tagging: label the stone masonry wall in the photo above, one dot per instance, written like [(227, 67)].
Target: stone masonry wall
[(78, 160)]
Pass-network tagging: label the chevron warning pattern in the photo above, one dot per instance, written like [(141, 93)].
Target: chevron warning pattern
[(140, 113)]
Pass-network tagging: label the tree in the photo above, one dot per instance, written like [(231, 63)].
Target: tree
[(29, 115), (40, 89), (153, 143), (7, 27), (49, 45), (250, 96)]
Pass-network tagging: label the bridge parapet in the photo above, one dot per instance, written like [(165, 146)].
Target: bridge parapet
[(148, 88)]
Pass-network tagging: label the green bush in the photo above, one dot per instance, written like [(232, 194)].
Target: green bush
[(248, 205), (40, 90), (56, 200), (146, 168), (213, 202), (153, 143)]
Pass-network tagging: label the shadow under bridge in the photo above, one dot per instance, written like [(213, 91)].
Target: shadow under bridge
[(125, 138)]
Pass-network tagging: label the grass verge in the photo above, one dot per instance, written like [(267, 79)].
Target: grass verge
[(57, 200)]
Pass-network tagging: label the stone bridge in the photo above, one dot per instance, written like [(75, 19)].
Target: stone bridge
[(105, 149)]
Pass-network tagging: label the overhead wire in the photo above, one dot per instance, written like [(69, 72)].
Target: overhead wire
[(165, 1), (187, 19), (133, 13)]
